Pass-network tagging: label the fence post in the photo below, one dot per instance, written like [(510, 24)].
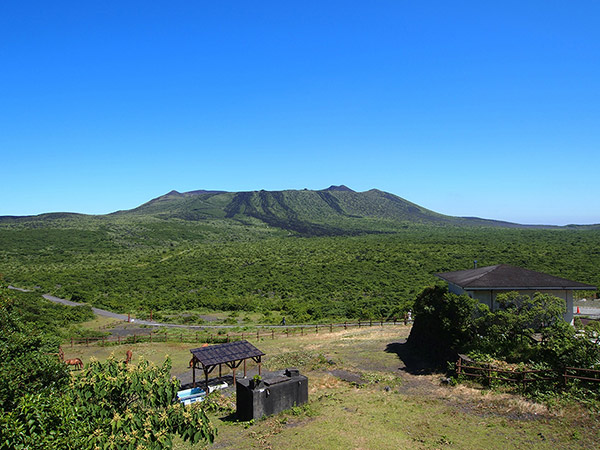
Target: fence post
[(227, 337), (302, 331), (370, 322), (119, 339), (243, 338), (181, 337), (382, 321), (359, 324), (331, 328), (197, 337), (565, 375), (71, 341), (103, 341), (317, 329), (287, 332), (87, 342), (345, 325), (458, 366), (257, 335), (272, 334)]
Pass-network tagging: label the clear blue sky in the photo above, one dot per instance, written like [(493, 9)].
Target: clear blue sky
[(463, 108)]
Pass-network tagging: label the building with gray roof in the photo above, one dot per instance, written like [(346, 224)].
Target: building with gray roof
[(485, 283)]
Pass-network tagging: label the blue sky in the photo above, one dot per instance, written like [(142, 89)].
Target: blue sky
[(466, 109)]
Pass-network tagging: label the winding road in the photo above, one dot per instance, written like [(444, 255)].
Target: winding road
[(583, 311), (124, 317)]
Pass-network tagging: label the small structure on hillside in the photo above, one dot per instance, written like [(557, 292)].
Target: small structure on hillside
[(232, 354), (258, 397), (485, 283)]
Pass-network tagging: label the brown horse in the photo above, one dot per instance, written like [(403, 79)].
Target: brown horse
[(78, 363), (60, 354), (128, 356)]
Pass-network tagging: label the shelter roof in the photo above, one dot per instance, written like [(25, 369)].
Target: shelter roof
[(224, 353), (504, 276)]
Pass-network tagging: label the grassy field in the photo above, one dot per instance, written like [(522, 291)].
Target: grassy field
[(366, 391)]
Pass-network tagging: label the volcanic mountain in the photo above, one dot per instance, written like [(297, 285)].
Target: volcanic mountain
[(332, 211)]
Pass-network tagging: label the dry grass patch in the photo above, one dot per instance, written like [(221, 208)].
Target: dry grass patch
[(320, 382), (488, 401)]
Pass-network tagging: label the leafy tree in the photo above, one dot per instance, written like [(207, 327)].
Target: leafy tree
[(509, 331), (29, 358), (445, 322), (563, 347), (110, 405), (530, 314)]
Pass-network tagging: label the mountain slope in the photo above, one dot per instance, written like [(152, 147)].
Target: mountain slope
[(331, 211), (337, 210)]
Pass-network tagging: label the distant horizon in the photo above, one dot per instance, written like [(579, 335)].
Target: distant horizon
[(473, 109), (271, 190)]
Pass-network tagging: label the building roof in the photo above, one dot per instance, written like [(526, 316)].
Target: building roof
[(506, 277), (224, 353)]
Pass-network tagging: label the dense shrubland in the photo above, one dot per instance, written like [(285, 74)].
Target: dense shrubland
[(138, 267)]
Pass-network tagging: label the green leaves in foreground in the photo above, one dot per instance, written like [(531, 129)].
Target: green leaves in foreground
[(110, 406)]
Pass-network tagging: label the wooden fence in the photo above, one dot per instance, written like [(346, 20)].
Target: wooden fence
[(166, 334), (468, 368)]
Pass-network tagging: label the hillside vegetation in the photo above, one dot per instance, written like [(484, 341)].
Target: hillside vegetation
[(337, 210), (306, 278), (312, 255)]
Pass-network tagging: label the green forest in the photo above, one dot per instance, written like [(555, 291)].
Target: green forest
[(142, 264)]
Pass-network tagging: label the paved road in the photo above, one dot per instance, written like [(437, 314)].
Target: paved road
[(18, 289), (124, 317), (584, 310), (98, 311), (588, 311)]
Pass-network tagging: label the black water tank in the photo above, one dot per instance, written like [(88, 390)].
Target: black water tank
[(274, 392)]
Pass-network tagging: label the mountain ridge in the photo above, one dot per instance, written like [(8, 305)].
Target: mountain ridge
[(335, 210)]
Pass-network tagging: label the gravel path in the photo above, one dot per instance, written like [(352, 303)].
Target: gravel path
[(98, 311)]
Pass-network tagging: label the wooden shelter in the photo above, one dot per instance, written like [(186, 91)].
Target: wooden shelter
[(231, 354)]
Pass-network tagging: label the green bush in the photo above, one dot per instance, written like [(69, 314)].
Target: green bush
[(30, 362), (109, 405), (446, 323)]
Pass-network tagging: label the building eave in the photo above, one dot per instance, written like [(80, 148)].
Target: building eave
[(527, 288)]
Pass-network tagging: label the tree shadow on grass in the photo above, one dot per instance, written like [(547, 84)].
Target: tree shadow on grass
[(415, 360), (231, 418)]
